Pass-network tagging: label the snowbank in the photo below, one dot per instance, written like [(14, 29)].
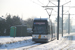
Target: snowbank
[(7, 42), (8, 39)]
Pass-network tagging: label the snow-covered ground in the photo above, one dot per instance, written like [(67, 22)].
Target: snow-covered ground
[(64, 43), (8, 39), (7, 42), (24, 43)]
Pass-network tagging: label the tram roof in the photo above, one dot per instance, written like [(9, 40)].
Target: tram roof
[(40, 18)]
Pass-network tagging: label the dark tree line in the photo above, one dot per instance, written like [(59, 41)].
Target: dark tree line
[(5, 24), (29, 22)]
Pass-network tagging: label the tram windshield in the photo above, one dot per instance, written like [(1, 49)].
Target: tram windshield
[(39, 29)]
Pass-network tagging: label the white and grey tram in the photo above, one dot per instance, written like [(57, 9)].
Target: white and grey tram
[(42, 30)]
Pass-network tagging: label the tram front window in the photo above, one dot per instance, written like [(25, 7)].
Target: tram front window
[(39, 29)]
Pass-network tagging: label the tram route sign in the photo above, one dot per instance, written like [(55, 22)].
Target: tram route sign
[(39, 23), (54, 0)]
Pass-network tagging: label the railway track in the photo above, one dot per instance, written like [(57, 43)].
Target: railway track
[(41, 44), (31, 47), (28, 47)]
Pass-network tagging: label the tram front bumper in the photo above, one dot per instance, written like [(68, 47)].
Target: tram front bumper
[(40, 40)]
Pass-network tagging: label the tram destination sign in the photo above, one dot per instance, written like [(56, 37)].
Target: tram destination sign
[(39, 22)]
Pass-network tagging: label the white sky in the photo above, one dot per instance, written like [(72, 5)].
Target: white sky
[(20, 7), (28, 9)]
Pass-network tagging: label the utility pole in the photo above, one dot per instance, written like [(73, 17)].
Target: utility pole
[(58, 21), (69, 21), (69, 24), (62, 20), (62, 15)]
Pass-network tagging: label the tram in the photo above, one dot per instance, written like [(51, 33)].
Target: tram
[(42, 30)]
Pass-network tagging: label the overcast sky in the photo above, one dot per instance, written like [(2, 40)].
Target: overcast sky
[(25, 8), (31, 8)]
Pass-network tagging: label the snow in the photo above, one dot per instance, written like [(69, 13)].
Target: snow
[(8, 39), (7, 42), (20, 43), (60, 44)]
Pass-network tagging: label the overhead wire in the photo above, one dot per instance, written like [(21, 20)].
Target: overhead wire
[(46, 5), (66, 11), (66, 3), (66, 6), (41, 2), (52, 3), (52, 8), (35, 2)]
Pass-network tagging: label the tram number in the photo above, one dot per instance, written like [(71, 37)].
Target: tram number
[(39, 36)]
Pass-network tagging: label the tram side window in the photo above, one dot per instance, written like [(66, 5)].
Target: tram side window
[(48, 29)]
